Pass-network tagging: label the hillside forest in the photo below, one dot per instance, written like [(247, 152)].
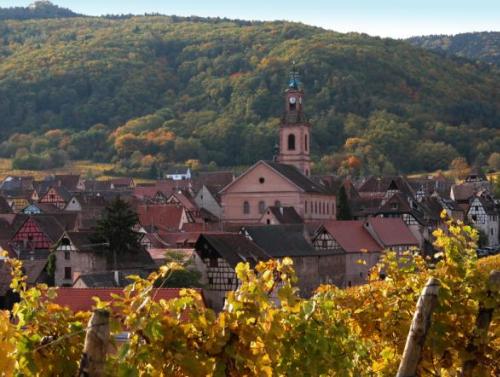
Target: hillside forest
[(151, 92)]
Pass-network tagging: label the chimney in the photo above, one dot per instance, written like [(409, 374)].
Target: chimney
[(117, 277)]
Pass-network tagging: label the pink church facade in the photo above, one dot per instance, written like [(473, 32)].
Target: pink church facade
[(247, 198)]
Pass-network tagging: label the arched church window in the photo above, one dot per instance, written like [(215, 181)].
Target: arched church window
[(246, 207), (262, 206), (291, 142)]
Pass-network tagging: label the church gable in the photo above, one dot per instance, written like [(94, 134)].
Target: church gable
[(261, 178)]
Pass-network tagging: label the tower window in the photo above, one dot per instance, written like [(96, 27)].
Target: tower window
[(305, 142), (246, 207), (291, 142), (67, 273)]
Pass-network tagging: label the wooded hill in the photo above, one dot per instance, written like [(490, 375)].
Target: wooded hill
[(38, 10), (483, 46), (150, 91)]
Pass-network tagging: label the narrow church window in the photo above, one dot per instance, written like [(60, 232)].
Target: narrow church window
[(305, 206), (291, 142), (246, 207), (262, 207), (305, 142)]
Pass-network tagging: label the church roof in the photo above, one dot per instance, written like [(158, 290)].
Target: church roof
[(297, 178), (289, 172)]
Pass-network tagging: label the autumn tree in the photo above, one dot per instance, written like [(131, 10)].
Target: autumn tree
[(459, 168), (494, 161)]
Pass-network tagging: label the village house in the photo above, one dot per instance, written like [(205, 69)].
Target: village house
[(355, 248), (75, 255), (483, 215), (179, 174), (312, 267), (37, 233), (220, 253), (164, 217), (58, 196)]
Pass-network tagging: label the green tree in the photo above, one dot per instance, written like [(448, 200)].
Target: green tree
[(343, 209), (115, 231)]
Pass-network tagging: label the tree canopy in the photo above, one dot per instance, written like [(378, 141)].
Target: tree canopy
[(162, 90)]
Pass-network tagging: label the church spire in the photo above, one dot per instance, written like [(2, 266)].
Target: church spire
[(295, 130), (294, 81)]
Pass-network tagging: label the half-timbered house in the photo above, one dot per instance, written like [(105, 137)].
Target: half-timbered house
[(220, 254), (35, 236), (313, 267), (57, 196), (355, 248), (483, 215)]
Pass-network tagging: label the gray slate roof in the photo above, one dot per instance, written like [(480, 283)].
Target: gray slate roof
[(281, 240), (234, 248), (299, 179)]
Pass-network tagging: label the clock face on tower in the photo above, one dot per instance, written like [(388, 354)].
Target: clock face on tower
[(292, 100)]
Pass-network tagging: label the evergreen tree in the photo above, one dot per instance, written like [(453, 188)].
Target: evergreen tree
[(153, 171), (344, 212), (115, 230)]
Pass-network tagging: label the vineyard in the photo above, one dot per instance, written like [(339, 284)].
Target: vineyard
[(266, 329)]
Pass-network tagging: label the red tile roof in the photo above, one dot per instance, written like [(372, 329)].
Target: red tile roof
[(162, 216), (392, 231), (352, 236), (80, 299)]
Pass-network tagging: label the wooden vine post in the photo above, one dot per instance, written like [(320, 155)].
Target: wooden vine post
[(479, 338), (96, 345), (418, 330)]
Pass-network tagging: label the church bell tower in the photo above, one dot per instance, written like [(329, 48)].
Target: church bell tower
[(295, 131)]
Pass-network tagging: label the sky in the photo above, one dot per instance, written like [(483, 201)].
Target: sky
[(385, 18)]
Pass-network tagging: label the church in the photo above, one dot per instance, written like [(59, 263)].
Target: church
[(285, 181)]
